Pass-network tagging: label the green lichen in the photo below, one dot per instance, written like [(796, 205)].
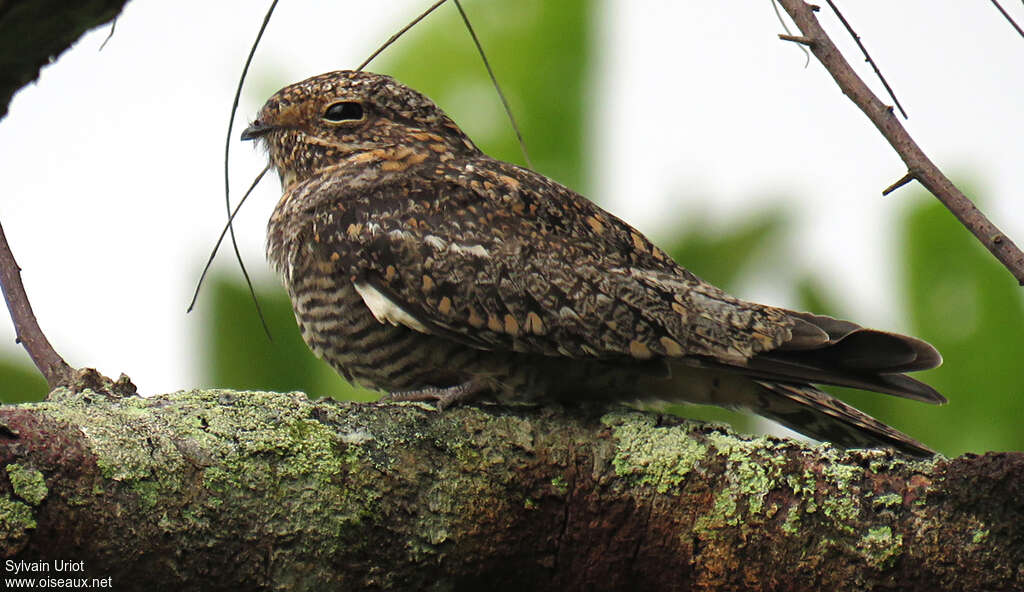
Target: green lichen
[(880, 547), (800, 486), (723, 513), (843, 506), (148, 492), (979, 536), (650, 455), (887, 500), (28, 483), (115, 444), (805, 488), (15, 518), (885, 461), (791, 525), (751, 473)]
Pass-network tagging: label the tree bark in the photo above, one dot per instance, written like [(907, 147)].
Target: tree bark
[(219, 490)]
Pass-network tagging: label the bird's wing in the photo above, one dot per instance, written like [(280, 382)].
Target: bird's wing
[(498, 257)]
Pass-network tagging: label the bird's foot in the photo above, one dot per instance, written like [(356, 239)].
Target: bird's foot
[(445, 397)]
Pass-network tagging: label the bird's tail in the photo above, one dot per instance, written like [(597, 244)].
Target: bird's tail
[(821, 416), (798, 406)]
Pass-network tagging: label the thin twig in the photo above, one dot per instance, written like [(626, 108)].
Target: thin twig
[(902, 181), (113, 25), (796, 39), (227, 178), (867, 58), (788, 37), (1009, 18), (54, 369), (918, 164), (400, 32), (494, 81), (220, 239)]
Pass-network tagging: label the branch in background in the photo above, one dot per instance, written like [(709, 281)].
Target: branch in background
[(1009, 18), (867, 57), (919, 166), (320, 495), (53, 367)]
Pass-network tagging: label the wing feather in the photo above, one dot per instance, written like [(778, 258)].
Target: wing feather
[(507, 259)]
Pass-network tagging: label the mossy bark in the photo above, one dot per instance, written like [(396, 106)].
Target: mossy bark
[(210, 490)]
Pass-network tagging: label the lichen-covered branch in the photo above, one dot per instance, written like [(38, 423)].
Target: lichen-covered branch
[(250, 490)]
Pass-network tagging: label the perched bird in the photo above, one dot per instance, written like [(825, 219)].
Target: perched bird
[(420, 266)]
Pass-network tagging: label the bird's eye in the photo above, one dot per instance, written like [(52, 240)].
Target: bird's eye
[(344, 111)]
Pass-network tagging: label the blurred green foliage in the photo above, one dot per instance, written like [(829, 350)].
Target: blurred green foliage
[(970, 308), (20, 381), (958, 297)]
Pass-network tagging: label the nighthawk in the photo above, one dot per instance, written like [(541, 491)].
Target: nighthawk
[(420, 266)]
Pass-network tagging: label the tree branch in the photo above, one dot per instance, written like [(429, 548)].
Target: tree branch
[(50, 364), (223, 490), (919, 166), (867, 56)]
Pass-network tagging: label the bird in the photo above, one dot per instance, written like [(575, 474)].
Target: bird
[(419, 266)]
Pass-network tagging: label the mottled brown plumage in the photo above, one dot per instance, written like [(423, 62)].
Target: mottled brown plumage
[(420, 266)]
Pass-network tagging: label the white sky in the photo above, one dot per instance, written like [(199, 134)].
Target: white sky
[(113, 159)]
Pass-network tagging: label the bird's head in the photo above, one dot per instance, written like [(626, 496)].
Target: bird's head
[(365, 118)]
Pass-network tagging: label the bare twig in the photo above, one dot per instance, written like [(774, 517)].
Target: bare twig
[(227, 177), (53, 367), (1009, 18), (480, 49), (785, 27), (110, 35), (400, 32), (796, 39), (867, 57), (494, 81), (919, 166), (220, 239), (903, 181)]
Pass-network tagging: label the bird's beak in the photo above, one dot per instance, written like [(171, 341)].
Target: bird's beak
[(256, 130)]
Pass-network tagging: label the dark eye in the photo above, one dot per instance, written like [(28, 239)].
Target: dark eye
[(344, 111)]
